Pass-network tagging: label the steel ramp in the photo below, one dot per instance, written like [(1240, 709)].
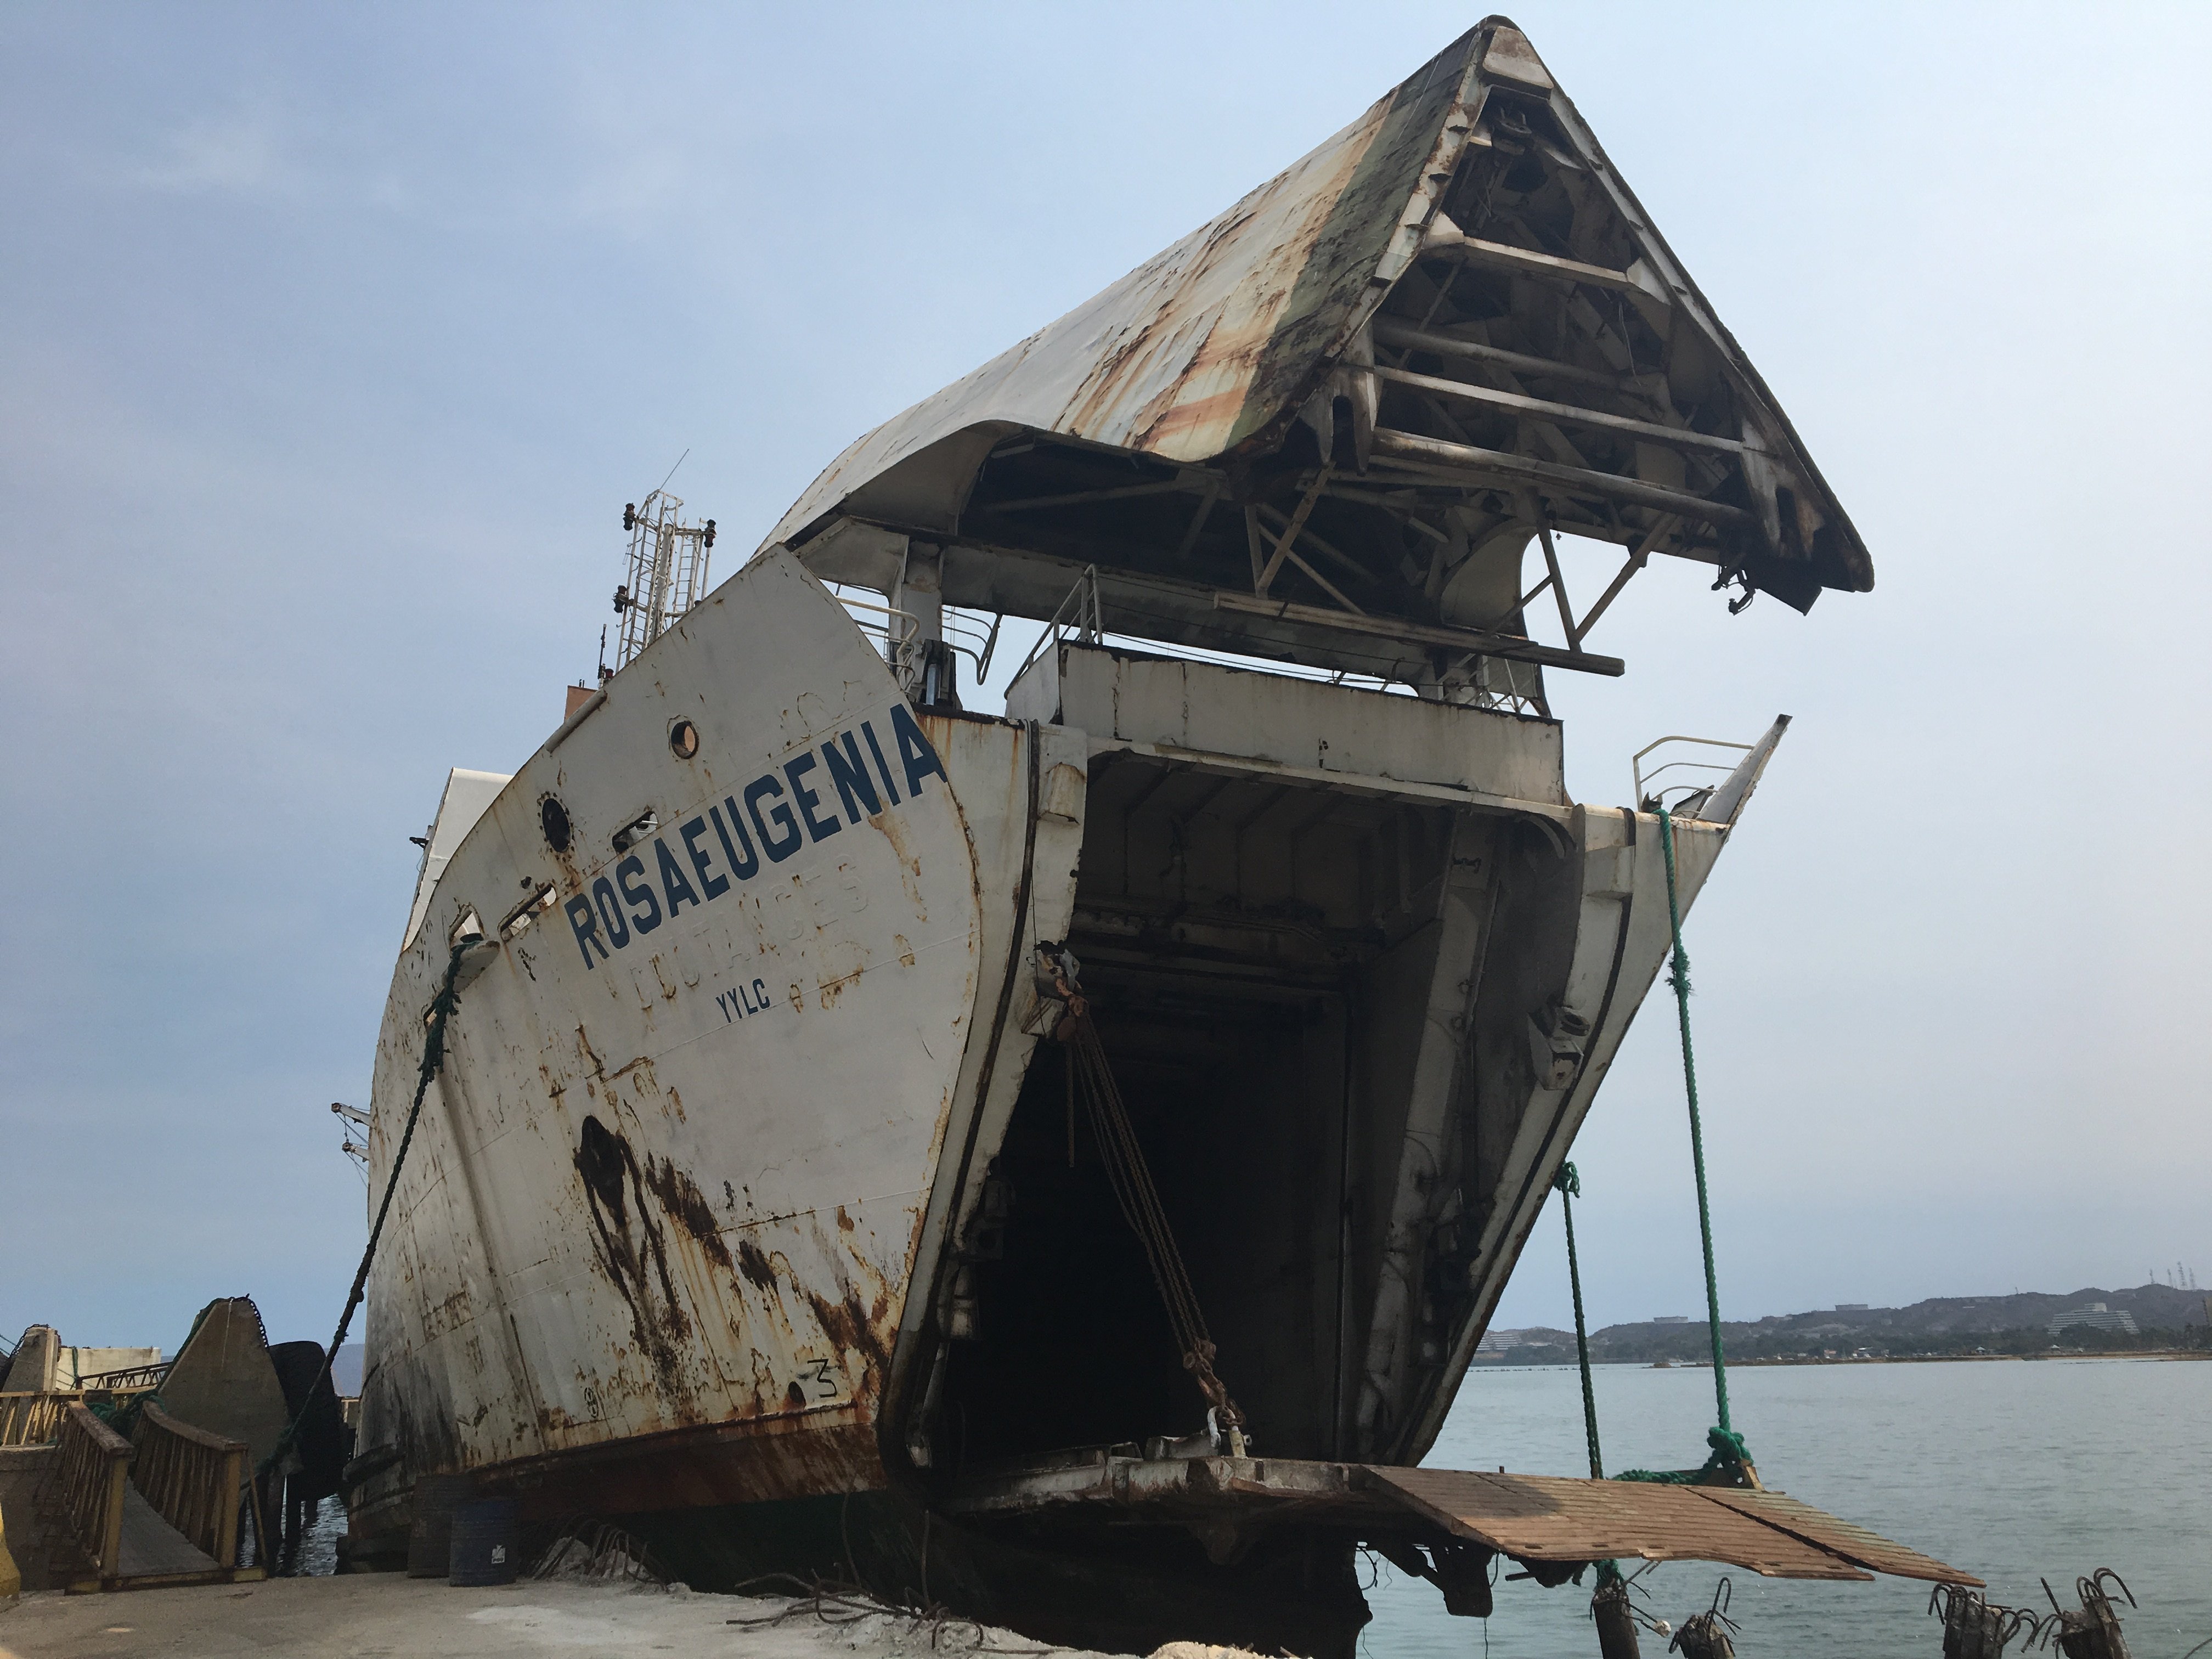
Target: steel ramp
[(1229, 1502), (1535, 1517), (1854, 1543)]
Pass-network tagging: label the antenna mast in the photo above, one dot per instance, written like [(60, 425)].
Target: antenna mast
[(668, 562)]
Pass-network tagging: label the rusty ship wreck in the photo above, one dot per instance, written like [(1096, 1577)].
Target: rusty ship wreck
[(752, 1209)]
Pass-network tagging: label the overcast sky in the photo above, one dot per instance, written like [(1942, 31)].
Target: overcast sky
[(333, 339)]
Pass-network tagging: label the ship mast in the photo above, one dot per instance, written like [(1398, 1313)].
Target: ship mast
[(668, 565)]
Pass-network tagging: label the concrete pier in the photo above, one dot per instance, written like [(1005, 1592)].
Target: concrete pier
[(386, 1616)]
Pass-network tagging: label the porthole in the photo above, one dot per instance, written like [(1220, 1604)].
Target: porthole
[(684, 739), (553, 819)]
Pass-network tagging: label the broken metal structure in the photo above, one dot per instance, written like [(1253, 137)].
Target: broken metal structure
[(751, 1209)]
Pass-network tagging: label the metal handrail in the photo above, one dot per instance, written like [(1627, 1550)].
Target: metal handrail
[(1089, 624), (1636, 762), (958, 626), (127, 1378), (886, 627), (959, 623)]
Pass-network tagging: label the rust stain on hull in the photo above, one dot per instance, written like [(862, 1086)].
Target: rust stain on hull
[(638, 1267), (687, 1206)]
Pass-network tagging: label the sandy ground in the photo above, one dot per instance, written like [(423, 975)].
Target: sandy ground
[(361, 1616)]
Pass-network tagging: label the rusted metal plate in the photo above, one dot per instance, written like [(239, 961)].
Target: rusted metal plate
[(1854, 1543), (1537, 1517)]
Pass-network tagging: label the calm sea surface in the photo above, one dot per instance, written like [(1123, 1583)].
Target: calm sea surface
[(2010, 1470)]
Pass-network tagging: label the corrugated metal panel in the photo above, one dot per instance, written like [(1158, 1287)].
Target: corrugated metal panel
[(1539, 1517), (1853, 1543)]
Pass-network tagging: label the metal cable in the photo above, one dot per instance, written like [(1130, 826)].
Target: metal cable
[(434, 1059), (1728, 1457), (1131, 1179)]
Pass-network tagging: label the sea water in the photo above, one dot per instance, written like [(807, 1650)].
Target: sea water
[(2014, 1471)]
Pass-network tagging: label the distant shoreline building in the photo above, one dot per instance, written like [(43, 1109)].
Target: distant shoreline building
[(2094, 1314)]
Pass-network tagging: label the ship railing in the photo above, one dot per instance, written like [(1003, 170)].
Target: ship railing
[(972, 634), (1649, 799), (93, 1468), (129, 1379), (1080, 617), (885, 623), (34, 1420), (194, 1478)]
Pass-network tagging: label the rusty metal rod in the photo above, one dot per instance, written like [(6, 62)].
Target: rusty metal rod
[(1638, 557), (1311, 538), (1438, 455), (1198, 519), (1558, 582), (1389, 332), (1323, 582), (1478, 640), (1291, 534), (1529, 262), (1467, 392)]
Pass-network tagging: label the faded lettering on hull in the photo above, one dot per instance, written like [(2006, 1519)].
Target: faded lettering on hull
[(598, 918)]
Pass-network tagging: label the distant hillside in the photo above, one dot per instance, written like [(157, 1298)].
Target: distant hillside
[(1950, 1324)]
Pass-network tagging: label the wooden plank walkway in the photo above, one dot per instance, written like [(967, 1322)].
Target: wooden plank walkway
[(152, 1548)]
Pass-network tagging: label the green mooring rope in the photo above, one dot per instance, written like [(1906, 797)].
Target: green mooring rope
[(1728, 1456), (1570, 1183), (434, 1059), (1679, 977), (1571, 1187)]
